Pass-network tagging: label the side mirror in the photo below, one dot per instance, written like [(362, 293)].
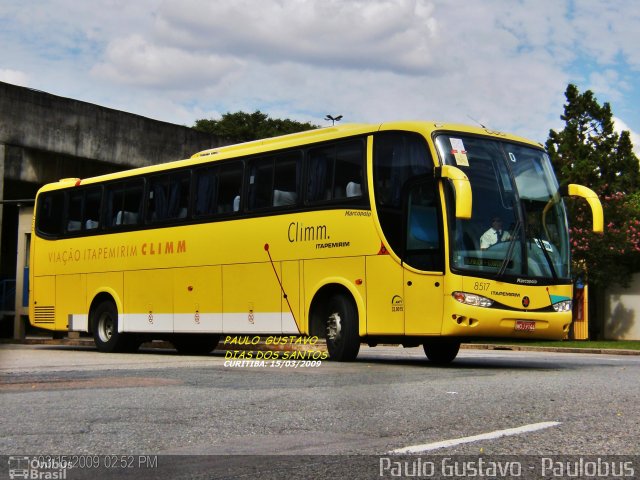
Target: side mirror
[(574, 190), (461, 186)]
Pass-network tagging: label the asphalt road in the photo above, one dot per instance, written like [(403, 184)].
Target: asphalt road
[(206, 419)]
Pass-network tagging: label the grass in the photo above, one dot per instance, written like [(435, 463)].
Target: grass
[(595, 344)]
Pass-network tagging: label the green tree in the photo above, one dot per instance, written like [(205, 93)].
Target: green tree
[(244, 127), (589, 152)]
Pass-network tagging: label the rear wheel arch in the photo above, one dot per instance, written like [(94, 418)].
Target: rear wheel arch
[(320, 299), (104, 324), (97, 300), (335, 315)]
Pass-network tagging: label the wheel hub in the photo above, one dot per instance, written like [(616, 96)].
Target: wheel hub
[(106, 328), (334, 326)]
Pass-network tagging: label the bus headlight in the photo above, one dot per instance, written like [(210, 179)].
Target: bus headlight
[(564, 306), (472, 299)]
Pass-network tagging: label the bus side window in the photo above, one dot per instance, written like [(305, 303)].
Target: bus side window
[(274, 180), (229, 187), (179, 195), (168, 197), (206, 182), (50, 211), (92, 208), (261, 183), (335, 172), (348, 169), (124, 201), (422, 220), (286, 179), (397, 157), (318, 184), (74, 210), (157, 201), (218, 189), (422, 247), (83, 209)]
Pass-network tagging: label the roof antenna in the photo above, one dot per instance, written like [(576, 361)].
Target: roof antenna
[(476, 121)]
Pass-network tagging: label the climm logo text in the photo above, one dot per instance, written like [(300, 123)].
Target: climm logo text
[(164, 248), (298, 232), (75, 255)]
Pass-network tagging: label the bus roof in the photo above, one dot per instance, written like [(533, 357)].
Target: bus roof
[(328, 133), (293, 139), (427, 128)]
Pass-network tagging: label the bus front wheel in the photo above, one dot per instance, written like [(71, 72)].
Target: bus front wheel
[(343, 340), (105, 330), (441, 351)]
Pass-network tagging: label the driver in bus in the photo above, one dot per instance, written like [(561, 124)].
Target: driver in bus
[(494, 235)]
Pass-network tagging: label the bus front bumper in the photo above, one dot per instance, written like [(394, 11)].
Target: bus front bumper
[(470, 321)]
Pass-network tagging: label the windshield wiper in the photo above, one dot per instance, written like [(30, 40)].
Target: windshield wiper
[(512, 245), (539, 242)]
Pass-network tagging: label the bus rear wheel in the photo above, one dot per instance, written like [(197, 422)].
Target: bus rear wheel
[(104, 324), (441, 351), (343, 340), (195, 344)]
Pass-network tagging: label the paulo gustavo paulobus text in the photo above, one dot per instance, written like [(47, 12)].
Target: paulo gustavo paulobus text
[(288, 357)]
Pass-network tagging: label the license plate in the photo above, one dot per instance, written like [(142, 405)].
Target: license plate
[(525, 325)]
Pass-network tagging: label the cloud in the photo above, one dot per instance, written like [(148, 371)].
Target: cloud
[(609, 84), (14, 76), (396, 35), (608, 31), (619, 125), (371, 61), (135, 61)]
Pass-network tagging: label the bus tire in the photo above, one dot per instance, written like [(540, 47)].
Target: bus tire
[(194, 343), (104, 324), (441, 351), (343, 339)]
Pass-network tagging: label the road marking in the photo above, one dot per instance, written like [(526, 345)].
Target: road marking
[(483, 436)]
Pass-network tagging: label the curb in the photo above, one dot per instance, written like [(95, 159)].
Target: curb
[(524, 348), (320, 345)]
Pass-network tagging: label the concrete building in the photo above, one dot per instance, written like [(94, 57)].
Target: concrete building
[(44, 137)]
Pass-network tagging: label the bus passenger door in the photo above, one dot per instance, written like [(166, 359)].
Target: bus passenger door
[(423, 256), (423, 298)]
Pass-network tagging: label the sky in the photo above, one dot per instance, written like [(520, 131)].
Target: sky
[(502, 63)]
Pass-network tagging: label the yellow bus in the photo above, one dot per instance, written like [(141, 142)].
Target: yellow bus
[(355, 233)]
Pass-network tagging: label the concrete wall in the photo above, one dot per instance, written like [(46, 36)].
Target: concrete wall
[(45, 122), (622, 311), (44, 137)]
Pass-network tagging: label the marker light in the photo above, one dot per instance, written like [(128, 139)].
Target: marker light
[(564, 306), (472, 299)]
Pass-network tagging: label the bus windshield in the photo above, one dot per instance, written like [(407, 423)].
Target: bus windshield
[(518, 226)]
